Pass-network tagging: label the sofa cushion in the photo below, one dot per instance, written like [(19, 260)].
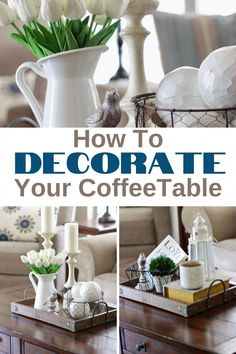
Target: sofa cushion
[(225, 255), (19, 223), (85, 263), (202, 34), (108, 283), (103, 248), (137, 226), (10, 253)]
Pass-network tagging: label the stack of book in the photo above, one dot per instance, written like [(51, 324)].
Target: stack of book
[(174, 291)]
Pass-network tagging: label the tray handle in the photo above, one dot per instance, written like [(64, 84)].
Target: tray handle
[(209, 290), (97, 306)]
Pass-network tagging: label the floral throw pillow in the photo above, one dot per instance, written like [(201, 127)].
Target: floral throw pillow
[(19, 223)]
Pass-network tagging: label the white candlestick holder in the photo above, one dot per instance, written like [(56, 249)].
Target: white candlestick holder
[(47, 243), (71, 261), (135, 35)]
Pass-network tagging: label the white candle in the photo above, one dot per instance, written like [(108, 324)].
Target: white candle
[(72, 237), (48, 220)]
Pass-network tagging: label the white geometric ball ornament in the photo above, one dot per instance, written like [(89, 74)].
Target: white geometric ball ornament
[(79, 309), (217, 78), (90, 291), (75, 290), (179, 90)]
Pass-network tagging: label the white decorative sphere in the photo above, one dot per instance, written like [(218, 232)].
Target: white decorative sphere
[(79, 309), (75, 290), (217, 78), (90, 291), (179, 90)]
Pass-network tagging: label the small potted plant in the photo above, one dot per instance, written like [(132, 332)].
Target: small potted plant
[(161, 269)]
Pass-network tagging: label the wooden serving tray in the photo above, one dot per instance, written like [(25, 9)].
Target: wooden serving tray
[(128, 291), (62, 320)]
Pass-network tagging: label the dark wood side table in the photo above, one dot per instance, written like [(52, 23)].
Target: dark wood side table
[(21, 335), (93, 227), (153, 331)]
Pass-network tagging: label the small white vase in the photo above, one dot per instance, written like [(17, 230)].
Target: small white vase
[(71, 95), (43, 289), (160, 281)]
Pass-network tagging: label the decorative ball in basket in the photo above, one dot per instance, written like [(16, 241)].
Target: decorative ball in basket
[(189, 97)]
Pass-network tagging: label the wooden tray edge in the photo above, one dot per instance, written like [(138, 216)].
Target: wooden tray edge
[(20, 308), (173, 306)]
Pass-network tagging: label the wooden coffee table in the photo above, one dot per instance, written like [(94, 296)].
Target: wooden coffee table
[(147, 329), (21, 335)]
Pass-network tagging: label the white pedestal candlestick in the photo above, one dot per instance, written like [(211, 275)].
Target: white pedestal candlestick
[(48, 222), (134, 35), (72, 237), (47, 243), (71, 261)]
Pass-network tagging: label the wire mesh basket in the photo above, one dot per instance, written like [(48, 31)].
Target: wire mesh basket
[(148, 115)]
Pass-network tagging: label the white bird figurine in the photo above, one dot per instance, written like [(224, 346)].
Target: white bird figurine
[(108, 114)]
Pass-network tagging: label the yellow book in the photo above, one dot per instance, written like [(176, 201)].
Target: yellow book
[(174, 291)]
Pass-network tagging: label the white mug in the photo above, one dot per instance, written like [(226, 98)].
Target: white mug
[(191, 275)]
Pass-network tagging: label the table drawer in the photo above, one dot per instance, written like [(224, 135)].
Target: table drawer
[(34, 349), (137, 343), (5, 343)]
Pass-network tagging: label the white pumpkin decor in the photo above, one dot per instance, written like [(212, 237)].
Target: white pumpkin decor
[(179, 90), (217, 78), (75, 290), (90, 292)]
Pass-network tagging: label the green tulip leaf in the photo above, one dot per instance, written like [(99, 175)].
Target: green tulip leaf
[(20, 39), (48, 36), (81, 38), (86, 21), (71, 41), (103, 35), (31, 40)]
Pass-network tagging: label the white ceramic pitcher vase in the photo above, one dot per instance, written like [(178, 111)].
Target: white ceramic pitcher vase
[(71, 95), (43, 289)]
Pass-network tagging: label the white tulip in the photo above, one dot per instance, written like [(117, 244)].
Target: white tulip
[(74, 9), (38, 263), (53, 260), (45, 262), (27, 10), (50, 253), (24, 259), (96, 7), (59, 259), (51, 10), (63, 254), (7, 15), (116, 9), (32, 256), (101, 19)]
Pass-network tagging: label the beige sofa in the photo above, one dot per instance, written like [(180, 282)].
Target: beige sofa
[(223, 222), (141, 229)]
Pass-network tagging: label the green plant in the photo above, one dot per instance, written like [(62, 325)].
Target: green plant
[(161, 266), (54, 26), (63, 35)]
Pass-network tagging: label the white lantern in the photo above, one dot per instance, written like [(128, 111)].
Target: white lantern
[(200, 246)]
